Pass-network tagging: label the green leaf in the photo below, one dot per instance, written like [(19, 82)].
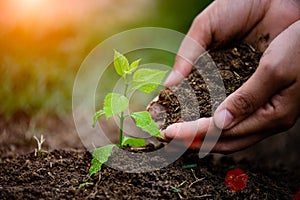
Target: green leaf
[(194, 165), (100, 156), (121, 63), (95, 166), (114, 103), (145, 122), (133, 66), (146, 80), (96, 117), (133, 142)]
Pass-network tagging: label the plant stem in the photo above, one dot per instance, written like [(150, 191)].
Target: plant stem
[(122, 114), (121, 129)]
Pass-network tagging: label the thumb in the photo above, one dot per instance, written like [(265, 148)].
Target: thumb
[(263, 84)]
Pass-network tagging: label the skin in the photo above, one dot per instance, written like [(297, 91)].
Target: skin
[(269, 102)]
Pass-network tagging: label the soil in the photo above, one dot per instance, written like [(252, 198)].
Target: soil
[(56, 173), (233, 65), (17, 131)]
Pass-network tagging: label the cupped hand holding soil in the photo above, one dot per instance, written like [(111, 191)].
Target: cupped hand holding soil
[(269, 102)]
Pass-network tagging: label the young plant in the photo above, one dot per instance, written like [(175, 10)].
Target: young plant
[(145, 80), (40, 142)]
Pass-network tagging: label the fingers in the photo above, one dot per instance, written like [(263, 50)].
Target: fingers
[(275, 20), (268, 102), (186, 130), (190, 133), (189, 51), (270, 77), (278, 115), (211, 28), (194, 44)]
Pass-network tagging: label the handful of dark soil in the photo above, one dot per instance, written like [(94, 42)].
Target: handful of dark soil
[(235, 65)]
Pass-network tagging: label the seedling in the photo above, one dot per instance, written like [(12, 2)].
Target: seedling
[(39, 143), (145, 80)]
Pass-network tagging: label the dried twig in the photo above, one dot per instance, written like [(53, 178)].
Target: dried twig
[(203, 196), (181, 184), (196, 181)]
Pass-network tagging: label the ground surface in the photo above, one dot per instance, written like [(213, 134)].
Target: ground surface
[(57, 174)]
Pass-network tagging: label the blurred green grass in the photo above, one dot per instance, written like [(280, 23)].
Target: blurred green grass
[(39, 62)]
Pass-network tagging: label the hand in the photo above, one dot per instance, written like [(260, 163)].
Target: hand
[(268, 102)]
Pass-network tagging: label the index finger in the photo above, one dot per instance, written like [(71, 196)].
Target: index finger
[(189, 51), (220, 22)]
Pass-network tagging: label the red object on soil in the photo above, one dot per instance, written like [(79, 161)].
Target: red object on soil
[(236, 179), (297, 196)]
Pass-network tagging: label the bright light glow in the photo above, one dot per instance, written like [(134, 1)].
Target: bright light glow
[(55, 13), (41, 12), (25, 10), (30, 2), (28, 5)]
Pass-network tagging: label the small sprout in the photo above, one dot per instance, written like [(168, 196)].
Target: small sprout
[(40, 143), (175, 189)]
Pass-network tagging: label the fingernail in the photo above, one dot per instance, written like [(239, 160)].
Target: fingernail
[(163, 133), (223, 119), (173, 78), (166, 134), (164, 138)]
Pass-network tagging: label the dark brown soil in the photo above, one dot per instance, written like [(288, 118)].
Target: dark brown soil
[(234, 66), (57, 174), (16, 133)]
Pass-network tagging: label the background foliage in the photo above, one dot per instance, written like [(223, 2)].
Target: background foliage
[(43, 42)]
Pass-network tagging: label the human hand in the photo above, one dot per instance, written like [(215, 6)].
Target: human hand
[(268, 102)]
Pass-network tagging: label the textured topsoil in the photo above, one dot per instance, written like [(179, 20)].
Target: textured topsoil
[(57, 174)]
